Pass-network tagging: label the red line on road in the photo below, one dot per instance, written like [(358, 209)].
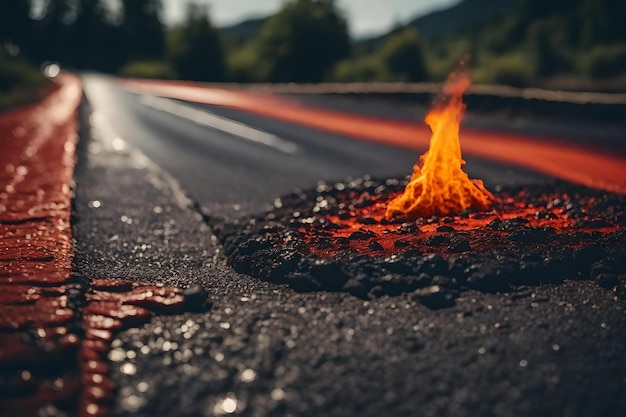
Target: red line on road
[(572, 162), (36, 172)]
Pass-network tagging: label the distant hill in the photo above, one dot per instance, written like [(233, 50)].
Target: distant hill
[(462, 16), (452, 20), (242, 31), (439, 23)]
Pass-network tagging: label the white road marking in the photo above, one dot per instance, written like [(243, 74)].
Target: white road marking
[(223, 124)]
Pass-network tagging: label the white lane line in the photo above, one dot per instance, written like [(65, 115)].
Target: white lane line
[(223, 124)]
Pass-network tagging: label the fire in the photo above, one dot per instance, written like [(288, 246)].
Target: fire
[(438, 186)]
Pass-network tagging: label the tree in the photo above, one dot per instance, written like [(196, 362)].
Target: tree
[(547, 41), (144, 32), (52, 32), (194, 49), (303, 41), (95, 41), (403, 56), (14, 22)]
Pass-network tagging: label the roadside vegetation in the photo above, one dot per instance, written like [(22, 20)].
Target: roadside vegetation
[(524, 43), (21, 82)]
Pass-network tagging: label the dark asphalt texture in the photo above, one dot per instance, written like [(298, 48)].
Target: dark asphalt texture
[(265, 350)]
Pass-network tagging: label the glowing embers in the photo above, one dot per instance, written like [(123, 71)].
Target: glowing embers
[(517, 219), (336, 238), (438, 186)]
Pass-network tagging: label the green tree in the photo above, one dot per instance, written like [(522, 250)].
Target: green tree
[(95, 41), (52, 32), (403, 56), (302, 42), (547, 39), (194, 48), (144, 32), (14, 22), (362, 69)]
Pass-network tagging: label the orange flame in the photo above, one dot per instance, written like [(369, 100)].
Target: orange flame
[(438, 186)]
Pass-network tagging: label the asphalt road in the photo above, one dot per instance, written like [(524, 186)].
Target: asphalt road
[(220, 166), (265, 350)]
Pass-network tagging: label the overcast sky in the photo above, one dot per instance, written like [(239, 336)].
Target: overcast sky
[(365, 16)]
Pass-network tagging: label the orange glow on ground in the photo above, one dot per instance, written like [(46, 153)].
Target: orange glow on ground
[(438, 234), (575, 163), (439, 186)]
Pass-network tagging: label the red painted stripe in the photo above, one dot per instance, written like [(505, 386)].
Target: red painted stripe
[(572, 162), (36, 171), (37, 161)]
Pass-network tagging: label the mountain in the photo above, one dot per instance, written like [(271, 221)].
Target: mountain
[(462, 16), (244, 30), (448, 21)]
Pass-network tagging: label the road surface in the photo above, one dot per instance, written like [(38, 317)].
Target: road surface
[(222, 164), (265, 350)]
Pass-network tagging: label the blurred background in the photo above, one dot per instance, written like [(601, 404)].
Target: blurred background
[(574, 45)]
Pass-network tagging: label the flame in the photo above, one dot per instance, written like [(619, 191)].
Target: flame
[(438, 186)]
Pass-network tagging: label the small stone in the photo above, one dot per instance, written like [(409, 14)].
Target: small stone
[(434, 264), (588, 255), (593, 224), (302, 282), (408, 228), (437, 240), (601, 268), (435, 297), (196, 299), (494, 224), (375, 246), (361, 235), (344, 215), (366, 202), (443, 281), (528, 235), (607, 281), (357, 288), (329, 274), (459, 244), (384, 221)]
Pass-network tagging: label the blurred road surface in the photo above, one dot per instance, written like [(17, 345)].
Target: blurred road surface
[(226, 158), (264, 349)]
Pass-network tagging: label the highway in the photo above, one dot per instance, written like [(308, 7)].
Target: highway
[(226, 157), (263, 349)]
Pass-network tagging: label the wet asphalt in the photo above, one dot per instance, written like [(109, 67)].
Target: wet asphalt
[(265, 350)]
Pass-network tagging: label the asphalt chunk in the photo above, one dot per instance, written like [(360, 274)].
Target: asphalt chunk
[(498, 250)]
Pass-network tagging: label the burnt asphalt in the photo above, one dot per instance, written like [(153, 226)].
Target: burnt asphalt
[(263, 349)]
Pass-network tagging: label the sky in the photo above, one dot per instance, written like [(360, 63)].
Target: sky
[(366, 17)]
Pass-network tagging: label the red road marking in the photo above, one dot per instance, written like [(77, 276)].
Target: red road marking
[(575, 163), (36, 171)]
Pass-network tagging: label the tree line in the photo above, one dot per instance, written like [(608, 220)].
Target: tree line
[(303, 42), (308, 41)]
